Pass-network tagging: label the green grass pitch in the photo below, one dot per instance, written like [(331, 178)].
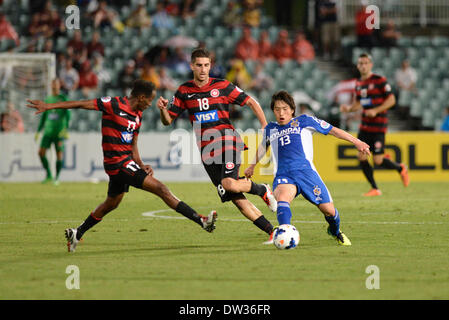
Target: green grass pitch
[(131, 256)]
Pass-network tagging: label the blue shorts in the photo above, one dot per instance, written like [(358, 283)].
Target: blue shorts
[(308, 183)]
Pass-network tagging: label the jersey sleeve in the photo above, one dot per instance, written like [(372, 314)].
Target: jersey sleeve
[(316, 124), (236, 95), (385, 88), (105, 104), (176, 105)]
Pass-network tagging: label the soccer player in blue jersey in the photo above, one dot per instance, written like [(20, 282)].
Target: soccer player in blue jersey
[(291, 144)]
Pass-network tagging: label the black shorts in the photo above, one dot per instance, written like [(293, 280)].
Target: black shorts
[(218, 172), (375, 140), (126, 177)]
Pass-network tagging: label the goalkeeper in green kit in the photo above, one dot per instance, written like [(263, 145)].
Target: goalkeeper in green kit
[(55, 123)]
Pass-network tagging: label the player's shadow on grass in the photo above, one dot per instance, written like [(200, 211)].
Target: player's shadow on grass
[(159, 251)]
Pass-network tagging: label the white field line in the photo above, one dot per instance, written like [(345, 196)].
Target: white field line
[(155, 214)]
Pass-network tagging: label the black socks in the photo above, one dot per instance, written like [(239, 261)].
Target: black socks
[(257, 189), (188, 212)]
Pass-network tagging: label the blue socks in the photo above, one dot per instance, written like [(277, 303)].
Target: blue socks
[(284, 213), (334, 223)]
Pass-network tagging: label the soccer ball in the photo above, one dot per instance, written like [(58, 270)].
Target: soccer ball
[(286, 237)]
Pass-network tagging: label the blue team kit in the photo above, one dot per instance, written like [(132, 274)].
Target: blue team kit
[(292, 155)]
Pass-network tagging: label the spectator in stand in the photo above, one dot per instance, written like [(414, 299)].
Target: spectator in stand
[(216, 69), (161, 19), (238, 75), (48, 20), (264, 46), (330, 29), (76, 42), (172, 8), (104, 16), (98, 68), (302, 49), (11, 120), (282, 49), (7, 31), (261, 81), (139, 18), (389, 35), (445, 124), (187, 8), (35, 30), (127, 77), (69, 77), (251, 12), (232, 16), (247, 47), (344, 93), (166, 82), (365, 35), (406, 78), (57, 25), (180, 62), (140, 60), (79, 57), (88, 82), (149, 73), (48, 46), (95, 45)]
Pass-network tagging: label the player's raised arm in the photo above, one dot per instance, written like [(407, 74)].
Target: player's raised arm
[(257, 109), (359, 144), (41, 106), (162, 105)]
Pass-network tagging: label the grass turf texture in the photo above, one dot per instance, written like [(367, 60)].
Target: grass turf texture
[(130, 256)]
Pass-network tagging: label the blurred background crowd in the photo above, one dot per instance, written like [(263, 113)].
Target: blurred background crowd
[(306, 47)]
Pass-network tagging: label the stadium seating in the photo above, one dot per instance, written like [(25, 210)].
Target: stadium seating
[(428, 55)]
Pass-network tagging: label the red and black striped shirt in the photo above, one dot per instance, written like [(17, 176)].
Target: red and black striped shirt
[(371, 93), (208, 109), (119, 125)]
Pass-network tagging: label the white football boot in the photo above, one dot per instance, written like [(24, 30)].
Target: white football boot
[(70, 235), (269, 199), (209, 221)]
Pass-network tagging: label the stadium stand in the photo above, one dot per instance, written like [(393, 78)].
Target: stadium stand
[(428, 55)]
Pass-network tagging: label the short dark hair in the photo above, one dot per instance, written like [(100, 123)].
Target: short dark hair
[(142, 87), (366, 55), (199, 53), (283, 96)]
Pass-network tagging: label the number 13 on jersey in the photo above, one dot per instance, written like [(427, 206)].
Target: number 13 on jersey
[(284, 140)]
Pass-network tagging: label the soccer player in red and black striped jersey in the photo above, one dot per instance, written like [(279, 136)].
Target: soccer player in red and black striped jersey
[(373, 94), (121, 120), (207, 101)]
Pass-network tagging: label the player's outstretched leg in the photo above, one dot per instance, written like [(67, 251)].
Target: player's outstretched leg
[(153, 185), (264, 191), (253, 214), (333, 219), (369, 175), (73, 236), (401, 168), (245, 185)]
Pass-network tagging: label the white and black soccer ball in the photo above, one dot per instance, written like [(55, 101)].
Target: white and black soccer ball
[(286, 236)]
